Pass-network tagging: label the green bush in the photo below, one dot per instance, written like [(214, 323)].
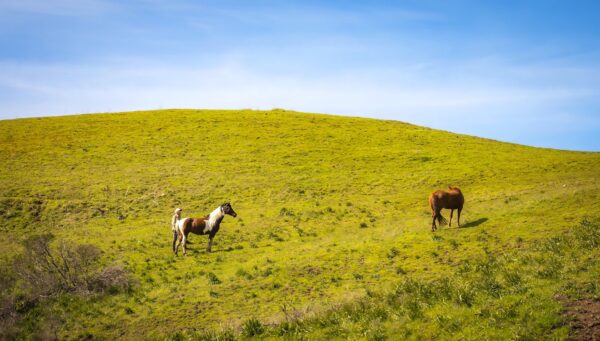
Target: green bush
[(252, 327)]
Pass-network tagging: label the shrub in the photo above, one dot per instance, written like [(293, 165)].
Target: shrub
[(252, 327), (43, 272), (48, 271)]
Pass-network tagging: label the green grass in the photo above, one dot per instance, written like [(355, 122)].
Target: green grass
[(332, 219)]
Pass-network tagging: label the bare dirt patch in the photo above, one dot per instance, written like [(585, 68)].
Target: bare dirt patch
[(584, 319)]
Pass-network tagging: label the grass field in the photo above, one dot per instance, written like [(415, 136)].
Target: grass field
[(332, 237)]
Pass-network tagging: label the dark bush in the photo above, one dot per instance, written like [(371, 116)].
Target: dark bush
[(43, 272), (48, 271)]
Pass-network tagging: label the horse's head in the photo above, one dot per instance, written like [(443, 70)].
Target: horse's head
[(227, 209)]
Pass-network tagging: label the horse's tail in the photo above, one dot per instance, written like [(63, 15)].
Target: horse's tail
[(441, 220), (434, 208)]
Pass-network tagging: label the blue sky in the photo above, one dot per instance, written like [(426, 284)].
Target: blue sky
[(525, 72)]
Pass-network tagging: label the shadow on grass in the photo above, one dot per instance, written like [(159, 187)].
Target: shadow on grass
[(474, 223)]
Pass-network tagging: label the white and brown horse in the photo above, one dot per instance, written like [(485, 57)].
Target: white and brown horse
[(206, 225), (453, 199)]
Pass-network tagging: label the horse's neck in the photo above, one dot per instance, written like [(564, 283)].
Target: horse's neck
[(215, 216)]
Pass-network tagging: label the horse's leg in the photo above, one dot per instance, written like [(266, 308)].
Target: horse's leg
[(184, 243), (460, 209), (433, 227), (450, 223), (178, 243), (210, 239)]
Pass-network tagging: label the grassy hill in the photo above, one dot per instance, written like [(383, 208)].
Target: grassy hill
[(333, 231)]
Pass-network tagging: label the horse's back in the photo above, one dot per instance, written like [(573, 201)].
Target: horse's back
[(452, 199), (438, 195), (196, 225), (182, 224)]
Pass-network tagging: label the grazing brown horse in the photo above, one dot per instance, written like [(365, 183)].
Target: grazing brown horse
[(206, 225), (453, 200)]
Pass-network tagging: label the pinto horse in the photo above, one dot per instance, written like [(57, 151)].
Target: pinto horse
[(453, 199), (206, 225)]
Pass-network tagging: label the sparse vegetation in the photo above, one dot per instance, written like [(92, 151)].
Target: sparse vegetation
[(481, 302)]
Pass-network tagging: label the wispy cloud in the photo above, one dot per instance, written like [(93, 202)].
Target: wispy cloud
[(57, 7), (399, 91)]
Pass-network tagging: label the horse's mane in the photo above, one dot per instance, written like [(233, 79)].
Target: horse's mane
[(454, 189), (212, 217)]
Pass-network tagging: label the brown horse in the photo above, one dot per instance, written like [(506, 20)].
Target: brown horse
[(206, 225), (453, 200)]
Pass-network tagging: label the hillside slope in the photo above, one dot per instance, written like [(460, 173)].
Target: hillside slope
[(328, 208)]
